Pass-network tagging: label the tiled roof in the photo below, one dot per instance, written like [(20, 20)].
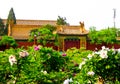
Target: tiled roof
[(22, 29), (71, 30), (33, 22)]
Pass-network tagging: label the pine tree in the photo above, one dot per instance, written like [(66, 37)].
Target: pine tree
[(1, 27), (10, 20), (11, 17)]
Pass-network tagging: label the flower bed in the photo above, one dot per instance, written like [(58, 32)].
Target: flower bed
[(42, 65)]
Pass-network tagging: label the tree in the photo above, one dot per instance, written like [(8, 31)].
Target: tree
[(11, 16), (8, 41), (43, 35), (92, 34), (10, 20), (1, 27), (103, 36), (50, 27), (61, 21)]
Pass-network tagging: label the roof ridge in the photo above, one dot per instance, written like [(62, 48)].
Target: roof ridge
[(31, 20)]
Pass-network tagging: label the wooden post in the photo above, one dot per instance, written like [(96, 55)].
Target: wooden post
[(10, 25), (9, 29)]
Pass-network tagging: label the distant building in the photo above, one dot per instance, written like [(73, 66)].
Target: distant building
[(22, 28), (69, 36), (72, 36)]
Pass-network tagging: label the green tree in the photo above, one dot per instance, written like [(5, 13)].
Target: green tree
[(92, 34), (11, 16), (61, 21), (50, 27), (8, 40), (103, 36), (43, 35), (1, 27), (10, 20)]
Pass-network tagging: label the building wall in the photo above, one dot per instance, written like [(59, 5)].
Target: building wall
[(22, 31)]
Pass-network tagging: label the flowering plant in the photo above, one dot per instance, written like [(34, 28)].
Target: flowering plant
[(36, 65), (102, 65), (42, 65)]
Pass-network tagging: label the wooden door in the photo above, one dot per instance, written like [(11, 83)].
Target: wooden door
[(70, 43)]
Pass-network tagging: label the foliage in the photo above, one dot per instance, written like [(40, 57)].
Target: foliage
[(10, 20), (43, 35), (75, 57), (61, 21), (103, 36), (118, 32), (49, 27), (42, 65), (8, 40), (11, 16), (101, 65), (1, 27), (36, 65), (74, 54)]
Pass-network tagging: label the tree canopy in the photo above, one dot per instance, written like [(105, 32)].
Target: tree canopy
[(10, 20), (61, 21), (43, 34), (49, 27), (11, 16), (102, 36)]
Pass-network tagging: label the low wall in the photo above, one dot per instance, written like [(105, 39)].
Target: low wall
[(98, 46), (89, 46)]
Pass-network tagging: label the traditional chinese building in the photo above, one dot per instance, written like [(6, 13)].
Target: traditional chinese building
[(69, 36), (72, 36), (22, 28)]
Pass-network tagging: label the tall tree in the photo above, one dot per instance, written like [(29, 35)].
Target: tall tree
[(11, 16), (61, 21), (10, 20), (1, 27)]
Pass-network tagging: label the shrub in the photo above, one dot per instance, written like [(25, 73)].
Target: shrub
[(101, 65), (36, 65)]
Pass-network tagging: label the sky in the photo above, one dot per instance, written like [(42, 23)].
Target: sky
[(97, 13)]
